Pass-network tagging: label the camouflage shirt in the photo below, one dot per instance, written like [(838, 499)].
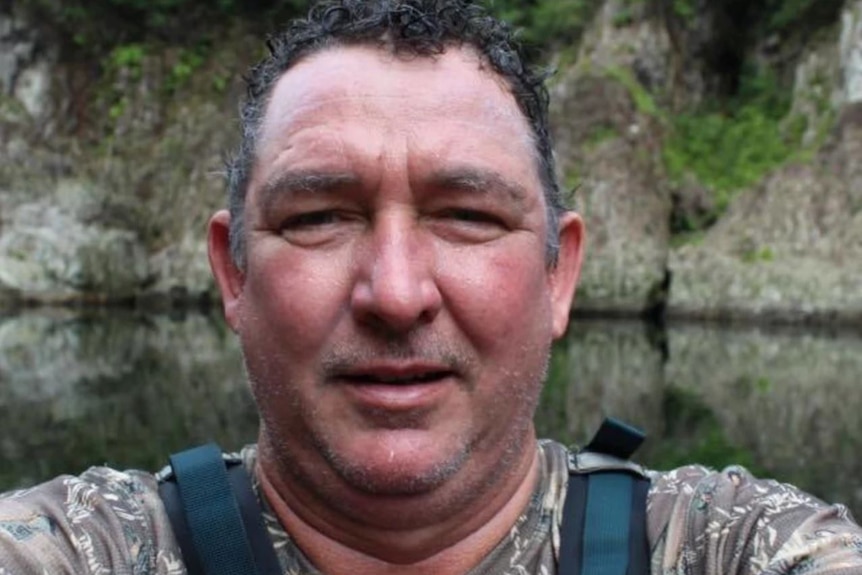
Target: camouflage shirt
[(699, 522)]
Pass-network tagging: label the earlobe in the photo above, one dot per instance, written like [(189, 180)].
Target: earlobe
[(564, 277), (229, 278)]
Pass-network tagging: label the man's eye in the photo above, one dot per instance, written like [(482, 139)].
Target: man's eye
[(473, 216), (317, 228), (468, 225), (310, 220)]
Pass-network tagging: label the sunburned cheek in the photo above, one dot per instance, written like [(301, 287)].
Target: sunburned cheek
[(502, 289), (298, 306)]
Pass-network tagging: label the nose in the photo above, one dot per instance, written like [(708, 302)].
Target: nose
[(396, 289)]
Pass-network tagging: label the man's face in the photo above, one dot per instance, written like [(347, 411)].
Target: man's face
[(396, 311)]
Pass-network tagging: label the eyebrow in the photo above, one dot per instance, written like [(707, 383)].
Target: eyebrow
[(478, 180), (465, 179), (295, 182)]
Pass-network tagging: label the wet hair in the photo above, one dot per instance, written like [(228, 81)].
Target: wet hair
[(413, 27)]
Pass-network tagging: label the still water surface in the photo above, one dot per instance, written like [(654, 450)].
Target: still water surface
[(127, 389)]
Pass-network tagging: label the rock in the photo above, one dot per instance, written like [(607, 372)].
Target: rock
[(850, 52), (182, 270), (608, 147), (48, 253), (789, 248), (26, 65)]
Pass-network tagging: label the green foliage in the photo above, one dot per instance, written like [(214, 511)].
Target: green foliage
[(684, 9), (643, 100), (758, 255), (547, 22), (129, 57), (731, 147), (186, 64), (97, 26), (599, 136), (782, 15)]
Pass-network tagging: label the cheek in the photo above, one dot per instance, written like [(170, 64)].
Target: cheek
[(500, 299), (293, 305)]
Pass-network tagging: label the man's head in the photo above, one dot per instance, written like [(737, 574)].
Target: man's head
[(395, 305), (409, 28)]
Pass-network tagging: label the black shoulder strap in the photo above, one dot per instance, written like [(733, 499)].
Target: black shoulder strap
[(216, 517), (604, 517)]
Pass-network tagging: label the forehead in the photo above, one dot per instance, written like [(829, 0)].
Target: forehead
[(372, 83)]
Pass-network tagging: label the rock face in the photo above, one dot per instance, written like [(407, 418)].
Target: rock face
[(608, 145), (50, 254), (108, 179), (785, 247), (109, 202), (790, 247)]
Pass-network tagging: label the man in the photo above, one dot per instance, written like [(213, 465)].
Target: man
[(396, 262)]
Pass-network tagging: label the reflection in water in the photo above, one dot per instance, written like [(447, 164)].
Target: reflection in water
[(127, 390), (111, 388)]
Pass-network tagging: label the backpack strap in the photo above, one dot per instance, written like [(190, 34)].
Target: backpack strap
[(604, 516), (215, 516)]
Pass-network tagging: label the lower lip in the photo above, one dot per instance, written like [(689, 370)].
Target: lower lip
[(399, 397)]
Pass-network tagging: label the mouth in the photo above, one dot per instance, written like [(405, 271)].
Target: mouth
[(382, 390), (387, 377)]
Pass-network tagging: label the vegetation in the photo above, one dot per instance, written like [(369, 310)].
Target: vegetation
[(97, 26), (725, 145), (547, 23), (733, 144)]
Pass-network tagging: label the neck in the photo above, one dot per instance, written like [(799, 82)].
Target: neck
[(449, 546)]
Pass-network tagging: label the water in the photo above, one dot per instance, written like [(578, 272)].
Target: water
[(126, 389)]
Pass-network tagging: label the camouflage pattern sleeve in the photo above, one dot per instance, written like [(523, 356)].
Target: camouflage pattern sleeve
[(101, 522), (729, 523)]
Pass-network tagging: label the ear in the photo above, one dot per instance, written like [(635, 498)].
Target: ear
[(564, 277), (228, 276)]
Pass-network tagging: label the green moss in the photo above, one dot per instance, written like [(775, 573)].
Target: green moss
[(127, 56), (572, 180), (600, 135), (763, 385), (731, 146), (94, 27), (186, 64), (685, 9), (758, 255), (688, 238), (547, 22), (644, 102)]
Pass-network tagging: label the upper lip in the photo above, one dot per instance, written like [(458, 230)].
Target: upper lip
[(396, 372)]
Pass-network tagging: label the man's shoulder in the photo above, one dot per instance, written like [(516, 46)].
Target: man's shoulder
[(700, 519), (84, 523), (92, 521), (728, 519)]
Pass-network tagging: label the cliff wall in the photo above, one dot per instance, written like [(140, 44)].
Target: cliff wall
[(715, 156)]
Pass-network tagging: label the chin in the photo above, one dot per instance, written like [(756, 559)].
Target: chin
[(397, 475)]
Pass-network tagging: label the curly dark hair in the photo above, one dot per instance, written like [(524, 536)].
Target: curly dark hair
[(414, 27)]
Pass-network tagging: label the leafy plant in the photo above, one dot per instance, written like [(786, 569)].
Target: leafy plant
[(729, 147), (547, 22)]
